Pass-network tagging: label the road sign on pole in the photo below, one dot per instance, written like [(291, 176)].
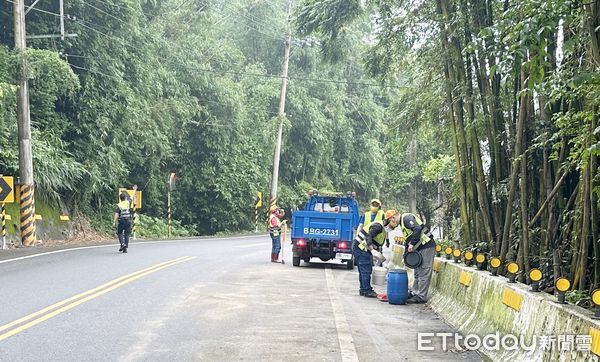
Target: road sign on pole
[(7, 196), (137, 199), (258, 200)]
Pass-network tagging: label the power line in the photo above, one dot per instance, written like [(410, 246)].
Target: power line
[(265, 27), (36, 9), (317, 80), (93, 71), (122, 21), (104, 12), (120, 78)]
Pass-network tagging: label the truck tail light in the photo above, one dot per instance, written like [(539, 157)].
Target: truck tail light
[(300, 242), (343, 245)]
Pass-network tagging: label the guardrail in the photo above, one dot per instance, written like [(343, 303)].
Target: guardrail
[(479, 303)]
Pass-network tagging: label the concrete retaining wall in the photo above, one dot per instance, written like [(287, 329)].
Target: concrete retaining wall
[(475, 302)]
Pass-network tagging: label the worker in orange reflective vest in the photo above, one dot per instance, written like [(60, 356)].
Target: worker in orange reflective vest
[(275, 225)]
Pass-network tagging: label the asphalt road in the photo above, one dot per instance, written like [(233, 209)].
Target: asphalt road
[(200, 300)]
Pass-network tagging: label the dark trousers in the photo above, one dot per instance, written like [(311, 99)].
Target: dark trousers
[(364, 262), (123, 231)]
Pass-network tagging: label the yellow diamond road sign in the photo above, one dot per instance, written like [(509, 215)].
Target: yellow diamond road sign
[(258, 200), (7, 195), (138, 196)]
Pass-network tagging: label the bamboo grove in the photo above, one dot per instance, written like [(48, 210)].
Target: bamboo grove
[(519, 97)]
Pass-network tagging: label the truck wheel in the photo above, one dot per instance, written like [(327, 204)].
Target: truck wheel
[(350, 264), (296, 261)]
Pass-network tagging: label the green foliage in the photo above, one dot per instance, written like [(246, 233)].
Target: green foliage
[(578, 297), (152, 227), (440, 168), (148, 88)]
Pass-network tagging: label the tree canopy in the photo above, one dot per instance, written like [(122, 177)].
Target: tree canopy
[(512, 86), (188, 86)]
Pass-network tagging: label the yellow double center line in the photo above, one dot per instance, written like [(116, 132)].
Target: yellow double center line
[(70, 303)]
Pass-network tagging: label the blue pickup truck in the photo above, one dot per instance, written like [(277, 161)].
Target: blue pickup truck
[(325, 228)]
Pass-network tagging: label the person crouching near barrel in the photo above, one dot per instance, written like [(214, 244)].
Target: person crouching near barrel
[(364, 246), (420, 249)]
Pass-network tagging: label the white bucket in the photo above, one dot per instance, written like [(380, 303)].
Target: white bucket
[(379, 274)]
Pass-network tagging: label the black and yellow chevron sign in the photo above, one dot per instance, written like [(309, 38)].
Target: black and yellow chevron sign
[(7, 195)]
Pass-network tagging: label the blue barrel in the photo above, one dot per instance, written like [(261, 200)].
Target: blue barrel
[(397, 286)]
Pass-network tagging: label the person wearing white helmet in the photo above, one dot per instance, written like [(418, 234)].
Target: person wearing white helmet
[(373, 214)]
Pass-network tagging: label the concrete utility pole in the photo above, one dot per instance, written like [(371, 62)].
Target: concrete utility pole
[(27, 201), (27, 188), (281, 114)]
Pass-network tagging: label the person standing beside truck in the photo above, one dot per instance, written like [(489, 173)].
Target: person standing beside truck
[(374, 214), (275, 224), (374, 238)]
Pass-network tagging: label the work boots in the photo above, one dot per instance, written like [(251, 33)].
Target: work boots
[(275, 257)]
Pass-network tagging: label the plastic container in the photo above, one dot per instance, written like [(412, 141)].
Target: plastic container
[(397, 287), (379, 274)]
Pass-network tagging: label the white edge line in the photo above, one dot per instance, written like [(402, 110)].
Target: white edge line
[(112, 246), (347, 348)]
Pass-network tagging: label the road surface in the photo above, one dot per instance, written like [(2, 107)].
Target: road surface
[(200, 300)]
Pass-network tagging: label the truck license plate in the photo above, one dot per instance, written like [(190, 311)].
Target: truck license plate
[(343, 256)]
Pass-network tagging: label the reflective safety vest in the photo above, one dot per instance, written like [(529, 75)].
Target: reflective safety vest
[(124, 212), (407, 229), (379, 239), (274, 230), (378, 217)]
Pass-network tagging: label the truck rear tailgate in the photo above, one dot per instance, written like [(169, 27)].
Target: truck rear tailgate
[(319, 225)]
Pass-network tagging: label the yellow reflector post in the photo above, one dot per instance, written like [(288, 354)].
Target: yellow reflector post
[(448, 250), (468, 255), (563, 284), (495, 263), (596, 297), (438, 248), (480, 258), (456, 253), (513, 268), (535, 275), (512, 298)]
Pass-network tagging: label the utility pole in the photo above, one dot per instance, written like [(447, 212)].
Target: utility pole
[(27, 188), (281, 113), (27, 201)]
